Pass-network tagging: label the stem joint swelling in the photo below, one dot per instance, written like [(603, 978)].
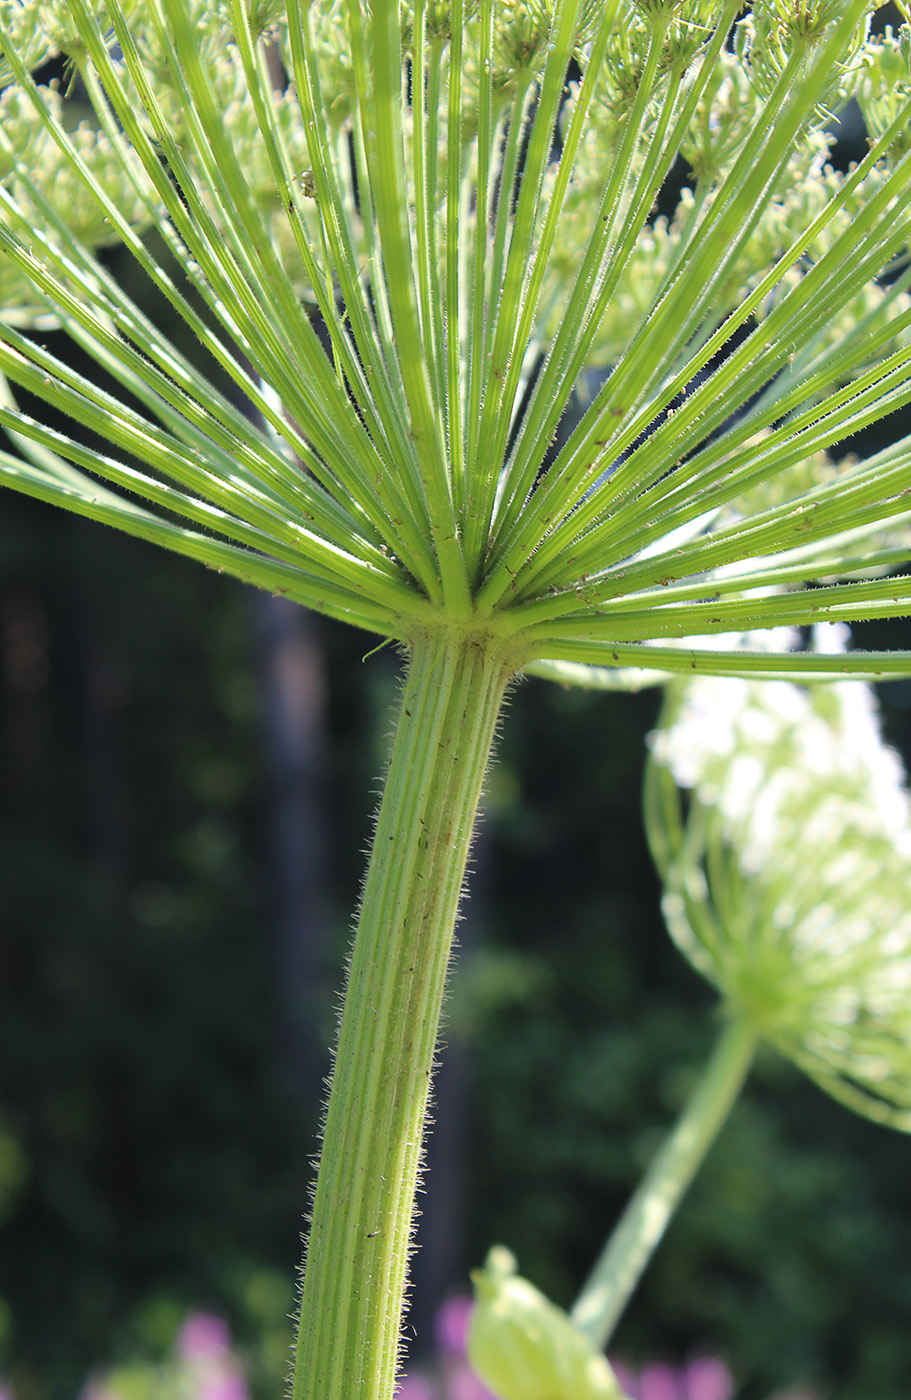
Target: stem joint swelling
[(348, 1339)]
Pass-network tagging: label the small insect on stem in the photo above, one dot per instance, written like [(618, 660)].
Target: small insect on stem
[(307, 186)]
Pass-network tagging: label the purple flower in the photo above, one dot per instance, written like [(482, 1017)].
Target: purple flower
[(707, 1378), (463, 1384), (703, 1378), (203, 1337), (451, 1325), (203, 1346), (451, 1330), (660, 1382), (228, 1385)]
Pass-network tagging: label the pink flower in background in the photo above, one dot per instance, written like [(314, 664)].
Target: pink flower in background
[(202, 1366), (704, 1378), (455, 1378), (660, 1382), (707, 1378), (463, 1384), (451, 1325), (207, 1368), (204, 1346), (203, 1337), (229, 1386), (451, 1329)]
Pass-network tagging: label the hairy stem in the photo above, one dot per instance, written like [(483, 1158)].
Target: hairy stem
[(354, 1279)]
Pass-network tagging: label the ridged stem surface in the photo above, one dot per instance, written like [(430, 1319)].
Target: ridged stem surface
[(355, 1272)]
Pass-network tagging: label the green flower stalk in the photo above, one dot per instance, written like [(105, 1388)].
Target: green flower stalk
[(641, 1227), (462, 194)]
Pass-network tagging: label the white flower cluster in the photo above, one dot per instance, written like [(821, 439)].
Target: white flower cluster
[(788, 882)]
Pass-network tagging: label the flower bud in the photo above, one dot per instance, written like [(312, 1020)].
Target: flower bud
[(884, 86), (523, 1347), (777, 29)]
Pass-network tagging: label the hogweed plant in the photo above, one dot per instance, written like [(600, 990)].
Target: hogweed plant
[(463, 194)]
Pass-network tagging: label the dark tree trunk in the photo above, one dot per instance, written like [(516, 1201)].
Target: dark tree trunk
[(293, 689)]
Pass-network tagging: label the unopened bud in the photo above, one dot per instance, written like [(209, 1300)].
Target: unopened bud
[(523, 1347)]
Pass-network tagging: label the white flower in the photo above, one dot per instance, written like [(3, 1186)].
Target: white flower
[(788, 882)]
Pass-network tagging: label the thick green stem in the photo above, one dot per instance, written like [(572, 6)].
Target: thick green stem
[(354, 1279), (630, 1247)]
